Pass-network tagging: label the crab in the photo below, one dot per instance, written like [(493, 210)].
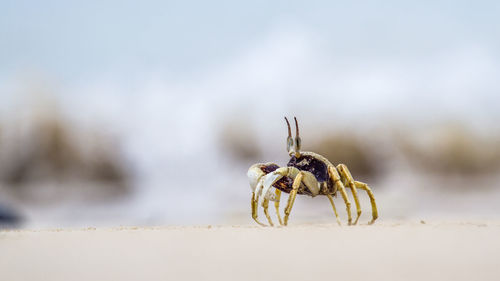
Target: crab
[(307, 173)]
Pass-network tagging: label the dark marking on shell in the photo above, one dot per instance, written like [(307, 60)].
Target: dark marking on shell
[(269, 168), (284, 184), (308, 163), (331, 187)]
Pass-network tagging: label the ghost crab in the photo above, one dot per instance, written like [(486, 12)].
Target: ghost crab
[(306, 173)]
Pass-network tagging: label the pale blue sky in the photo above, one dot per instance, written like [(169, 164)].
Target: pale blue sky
[(70, 39)]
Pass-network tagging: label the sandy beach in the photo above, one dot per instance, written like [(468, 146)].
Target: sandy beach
[(384, 251)]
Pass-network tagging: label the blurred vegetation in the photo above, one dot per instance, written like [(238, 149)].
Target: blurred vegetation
[(351, 150), (453, 150), (46, 154)]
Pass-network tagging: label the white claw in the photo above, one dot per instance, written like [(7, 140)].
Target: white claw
[(258, 190), (261, 183), (269, 180), (254, 176)]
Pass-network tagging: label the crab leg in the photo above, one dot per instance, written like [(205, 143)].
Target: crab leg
[(293, 194), (365, 187), (277, 205), (265, 205), (340, 186), (254, 205), (346, 175), (334, 209)]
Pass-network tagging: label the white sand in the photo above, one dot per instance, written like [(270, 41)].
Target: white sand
[(385, 251)]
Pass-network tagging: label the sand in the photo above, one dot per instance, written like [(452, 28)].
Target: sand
[(384, 251)]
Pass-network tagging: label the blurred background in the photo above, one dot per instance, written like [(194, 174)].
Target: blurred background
[(127, 113)]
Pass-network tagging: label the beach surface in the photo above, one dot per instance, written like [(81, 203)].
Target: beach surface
[(385, 251)]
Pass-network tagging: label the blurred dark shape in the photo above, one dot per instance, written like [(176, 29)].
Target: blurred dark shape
[(104, 168), (238, 141), (351, 150), (453, 150), (51, 161), (48, 153), (8, 218)]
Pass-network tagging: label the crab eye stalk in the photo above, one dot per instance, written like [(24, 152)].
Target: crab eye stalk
[(298, 141), (289, 139)]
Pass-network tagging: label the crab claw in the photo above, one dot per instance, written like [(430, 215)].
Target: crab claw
[(255, 174), (264, 189), (261, 181), (268, 181)]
